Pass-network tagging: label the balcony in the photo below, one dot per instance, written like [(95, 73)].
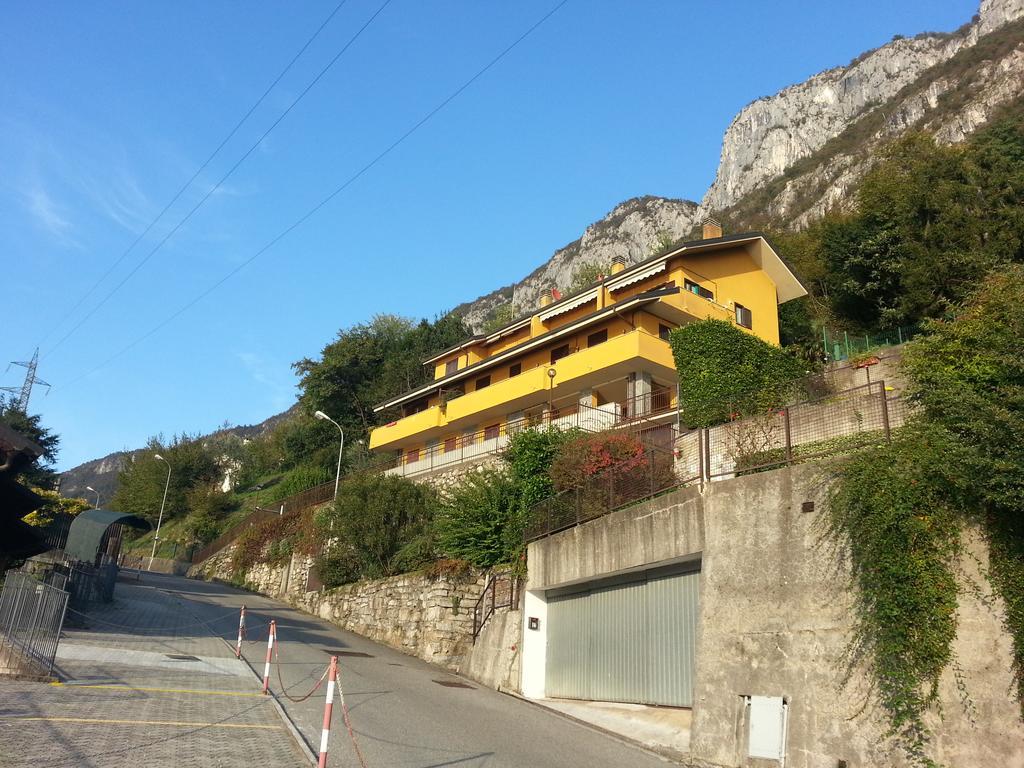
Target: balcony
[(617, 357), (407, 427)]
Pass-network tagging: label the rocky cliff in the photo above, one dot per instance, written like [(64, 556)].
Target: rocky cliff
[(633, 230), (789, 157)]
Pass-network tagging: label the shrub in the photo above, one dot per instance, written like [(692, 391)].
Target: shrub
[(298, 480), (479, 521), (578, 461), (380, 525), (728, 373), (529, 456), (274, 540)]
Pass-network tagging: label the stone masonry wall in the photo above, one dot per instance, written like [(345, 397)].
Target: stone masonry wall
[(422, 615)]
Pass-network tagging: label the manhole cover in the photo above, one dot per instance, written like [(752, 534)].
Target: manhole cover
[(453, 684), (181, 657), (350, 654)]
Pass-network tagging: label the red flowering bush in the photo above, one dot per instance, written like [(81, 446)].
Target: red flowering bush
[(615, 457)]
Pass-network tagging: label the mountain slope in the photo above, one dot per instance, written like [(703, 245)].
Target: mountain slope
[(102, 473), (788, 158)]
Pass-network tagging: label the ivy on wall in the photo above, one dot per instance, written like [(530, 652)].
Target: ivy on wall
[(899, 509), (726, 372)]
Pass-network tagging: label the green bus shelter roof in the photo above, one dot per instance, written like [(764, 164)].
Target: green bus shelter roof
[(88, 528)]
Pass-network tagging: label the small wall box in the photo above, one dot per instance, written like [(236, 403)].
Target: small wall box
[(533, 622)]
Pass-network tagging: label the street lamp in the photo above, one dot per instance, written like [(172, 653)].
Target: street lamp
[(156, 536), (90, 488), (337, 477)]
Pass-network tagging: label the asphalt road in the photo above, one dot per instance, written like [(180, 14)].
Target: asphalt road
[(402, 714)]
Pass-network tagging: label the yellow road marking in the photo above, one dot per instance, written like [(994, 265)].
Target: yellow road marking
[(130, 688), (142, 722)]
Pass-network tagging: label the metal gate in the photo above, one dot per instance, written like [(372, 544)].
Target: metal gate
[(630, 640)]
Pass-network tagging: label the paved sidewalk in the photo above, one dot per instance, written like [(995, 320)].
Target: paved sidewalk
[(145, 683)]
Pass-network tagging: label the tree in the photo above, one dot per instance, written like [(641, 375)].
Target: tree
[(40, 473), (585, 275), (370, 362), (142, 478), (929, 222)]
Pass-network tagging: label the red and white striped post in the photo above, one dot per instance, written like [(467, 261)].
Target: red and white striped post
[(271, 638), (332, 678), (241, 633)]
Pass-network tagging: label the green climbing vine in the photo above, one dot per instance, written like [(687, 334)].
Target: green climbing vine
[(899, 509), (901, 527)]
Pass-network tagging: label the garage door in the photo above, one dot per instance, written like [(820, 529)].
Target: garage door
[(627, 640)]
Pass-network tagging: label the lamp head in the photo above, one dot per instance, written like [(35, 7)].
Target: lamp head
[(90, 488), (322, 416), (158, 456)]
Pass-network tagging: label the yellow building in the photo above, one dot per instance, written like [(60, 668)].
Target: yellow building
[(592, 359)]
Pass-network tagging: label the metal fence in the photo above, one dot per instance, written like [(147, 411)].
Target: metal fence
[(842, 345), (257, 516), (31, 618), (87, 583), (641, 477), (824, 426), (831, 424)]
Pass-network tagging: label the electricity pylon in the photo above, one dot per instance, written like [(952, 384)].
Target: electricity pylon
[(24, 392)]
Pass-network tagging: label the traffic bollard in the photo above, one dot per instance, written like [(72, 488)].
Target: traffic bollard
[(241, 633), (332, 677), (271, 639)]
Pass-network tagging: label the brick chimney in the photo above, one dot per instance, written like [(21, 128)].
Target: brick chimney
[(711, 228), (618, 264), (545, 298)]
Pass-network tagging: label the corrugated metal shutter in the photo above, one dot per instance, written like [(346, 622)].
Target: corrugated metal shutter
[(630, 642)]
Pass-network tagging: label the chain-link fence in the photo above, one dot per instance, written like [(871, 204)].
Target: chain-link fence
[(31, 618)]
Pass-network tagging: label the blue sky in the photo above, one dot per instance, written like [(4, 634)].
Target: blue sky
[(107, 108)]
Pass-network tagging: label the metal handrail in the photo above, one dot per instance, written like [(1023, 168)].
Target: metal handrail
[(484, 608)]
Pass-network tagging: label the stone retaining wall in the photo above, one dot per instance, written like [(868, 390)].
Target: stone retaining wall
[(419, 614)]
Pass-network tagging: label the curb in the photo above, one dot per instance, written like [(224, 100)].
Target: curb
[(300, 741)]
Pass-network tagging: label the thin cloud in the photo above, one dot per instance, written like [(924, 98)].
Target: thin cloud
[(49, 215)]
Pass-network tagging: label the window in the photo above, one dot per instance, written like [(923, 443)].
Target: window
[(413, 454), (704, 293), (450, 444), (451, 367), (559, 352), (515, 369), (483, 381), (597, 338), (491, 432), (664, 331), (743, 317)]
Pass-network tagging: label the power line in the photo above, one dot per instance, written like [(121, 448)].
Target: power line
[(337, 191), (221, 181), (195, 175)]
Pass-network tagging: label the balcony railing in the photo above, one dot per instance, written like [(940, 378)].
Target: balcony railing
[(492, 440)]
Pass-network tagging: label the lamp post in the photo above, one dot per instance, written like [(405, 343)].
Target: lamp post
[(90, 488), (337, 476), (159, 521), (551, 394)]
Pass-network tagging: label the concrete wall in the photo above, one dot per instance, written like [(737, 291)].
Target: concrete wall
[(494, 659), (776, 620)]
